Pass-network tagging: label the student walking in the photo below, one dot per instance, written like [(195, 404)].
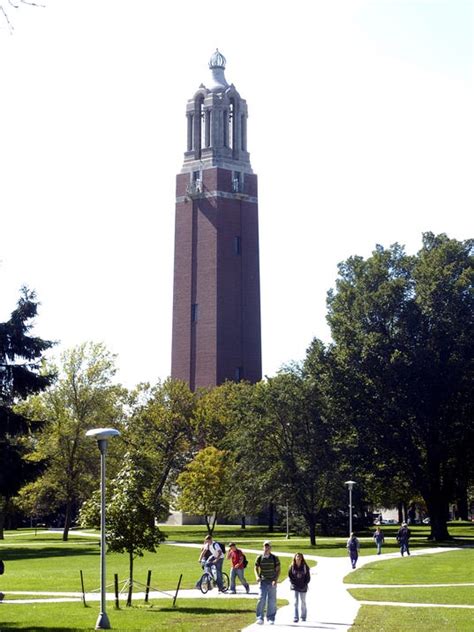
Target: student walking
[(299, 580), (403, 538), (267, 571), (353, 547), (378, 539), (238, 564)]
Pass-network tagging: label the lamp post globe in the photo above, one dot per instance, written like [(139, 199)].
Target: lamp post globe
[(102, 435)]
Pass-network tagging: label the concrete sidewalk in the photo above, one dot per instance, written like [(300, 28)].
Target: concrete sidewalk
[(330, 606)]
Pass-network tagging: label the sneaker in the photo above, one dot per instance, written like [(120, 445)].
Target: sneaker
[(296, 620), (247, 590), (1, 596), (303, 618), (271, 622), (259, 621), (232, 592)]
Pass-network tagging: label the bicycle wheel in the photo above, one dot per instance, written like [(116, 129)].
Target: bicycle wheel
[(204, 583), (225, 582)]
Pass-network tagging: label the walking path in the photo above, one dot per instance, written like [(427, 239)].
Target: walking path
[(330, 606)]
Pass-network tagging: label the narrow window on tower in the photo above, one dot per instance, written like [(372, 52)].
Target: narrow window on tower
[(194, 313), (190, 131), (208, 128), (238, 374), (243, 132), (224, 126), (236, 181), (197, 182), (237, 245), (231, 120)]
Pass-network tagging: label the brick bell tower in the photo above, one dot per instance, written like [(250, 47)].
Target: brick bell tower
[(216, 303)]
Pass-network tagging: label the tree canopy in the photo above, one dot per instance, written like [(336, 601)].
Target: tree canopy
[(403, 342)]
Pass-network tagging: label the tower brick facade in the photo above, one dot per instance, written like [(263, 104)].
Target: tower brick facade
[(216, 302)]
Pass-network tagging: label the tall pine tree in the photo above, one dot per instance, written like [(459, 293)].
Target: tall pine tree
[(20, 357)]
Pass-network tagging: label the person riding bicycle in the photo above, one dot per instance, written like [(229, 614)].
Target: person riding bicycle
[(212, 554)]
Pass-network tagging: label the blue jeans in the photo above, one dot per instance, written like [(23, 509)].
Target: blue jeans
[(237, 572), (300, 596), (218, 564), (379, 547), (404, 547), (354, 555), (268, 596)]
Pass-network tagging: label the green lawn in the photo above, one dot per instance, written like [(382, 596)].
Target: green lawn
[(42, 561), (391, 619), (438, 568), (225, 615), (434, 594)]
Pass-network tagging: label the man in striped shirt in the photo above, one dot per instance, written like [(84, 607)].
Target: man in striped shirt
[(267, 571)]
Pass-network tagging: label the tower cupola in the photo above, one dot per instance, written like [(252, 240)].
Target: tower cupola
[(217, 124)]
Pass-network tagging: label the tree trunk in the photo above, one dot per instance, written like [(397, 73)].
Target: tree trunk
[(461, 502), (130, 578), (312, 530), (401, 517), (67, 520), (3, 505), (438, 510), (242, 522), (271, 517)]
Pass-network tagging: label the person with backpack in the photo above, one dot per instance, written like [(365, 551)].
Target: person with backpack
[(212, 554), (267, 571), (353, 547), (403, 538), (299, 580), (238, 562)]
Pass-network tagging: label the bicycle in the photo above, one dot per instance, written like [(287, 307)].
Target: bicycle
[(208, 579)]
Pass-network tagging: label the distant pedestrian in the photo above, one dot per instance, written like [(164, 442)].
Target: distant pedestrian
[(403, 539), (237, 563), (378, 539), (267, 571), (353, 547), (299, 580)]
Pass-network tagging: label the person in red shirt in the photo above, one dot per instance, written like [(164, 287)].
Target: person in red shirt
[(237, 559)]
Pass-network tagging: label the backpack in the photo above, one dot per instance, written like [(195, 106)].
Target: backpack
[(2, 567), (222, 545)]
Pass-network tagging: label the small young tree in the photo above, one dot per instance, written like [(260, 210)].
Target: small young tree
[(203, 484), (130, 516)]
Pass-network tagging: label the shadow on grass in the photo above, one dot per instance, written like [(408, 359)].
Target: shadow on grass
[(37, 628), (201, 611), (31, 553)]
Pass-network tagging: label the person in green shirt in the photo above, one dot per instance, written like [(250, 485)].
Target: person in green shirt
[(267, 571)]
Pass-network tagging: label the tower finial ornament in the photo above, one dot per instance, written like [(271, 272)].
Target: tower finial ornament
[(217, 60)]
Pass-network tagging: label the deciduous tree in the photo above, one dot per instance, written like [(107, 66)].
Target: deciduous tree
[(403, 330), (84, 397)]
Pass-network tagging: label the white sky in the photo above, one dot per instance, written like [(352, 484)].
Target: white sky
[(360, 130)]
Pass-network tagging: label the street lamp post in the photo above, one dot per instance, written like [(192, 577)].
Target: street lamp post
[(350, 485), (102, 435)]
